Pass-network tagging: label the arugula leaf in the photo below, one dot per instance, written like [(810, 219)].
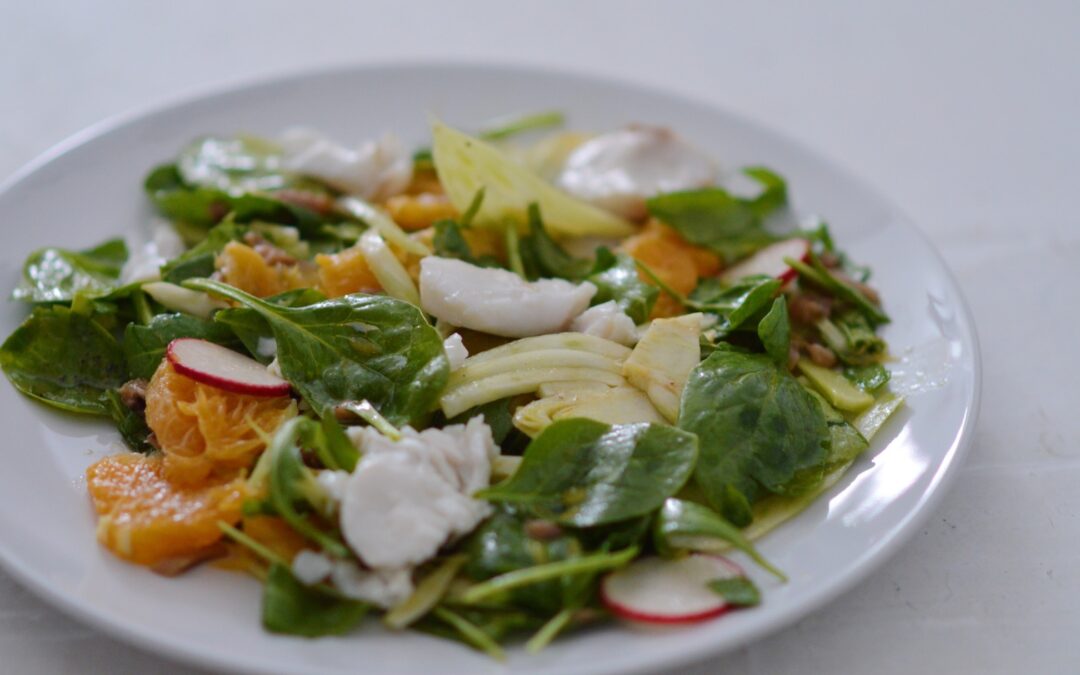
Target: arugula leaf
[(65, 359), (144, 346), (818, 275), (852, 338), (759, 430), (358, 347), (543, 257), (292, 608), (774, 330), (773, 196), (58, 275), (252, 328), (737, 304), (584, 473), (737, 591), (869, 378), (131, 425), (616, 278), (682, 524)]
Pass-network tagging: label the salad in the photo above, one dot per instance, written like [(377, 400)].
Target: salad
[(518, 382)]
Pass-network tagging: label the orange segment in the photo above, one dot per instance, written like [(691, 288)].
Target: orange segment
[(146, 519), (207, 432), (344, 273), (415, 212), (678, 263), (241, 266)]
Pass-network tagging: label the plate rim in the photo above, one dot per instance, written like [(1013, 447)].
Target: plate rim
[(868, 562)]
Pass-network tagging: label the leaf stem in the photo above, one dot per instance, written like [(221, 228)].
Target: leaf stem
[(549, 630), (533, 122), (537, 573), (252, 545), (471, 632)]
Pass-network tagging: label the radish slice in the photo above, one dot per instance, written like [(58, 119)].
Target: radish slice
[(657, 590), (223, 368), (770, 261)]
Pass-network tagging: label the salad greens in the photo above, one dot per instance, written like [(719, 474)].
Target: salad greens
[(515, 469)]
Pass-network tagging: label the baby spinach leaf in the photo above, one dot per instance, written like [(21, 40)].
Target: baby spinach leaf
[(735, 305), (496, 414), (198, 261), (252, 328), (233, 165), (737, 591), (712, 218), (584, 473), (144, 346), (616, 278), (868, 378), (775, 332), (65, 359), (292, 608), (358, 347), (131, 425), (759, 430), (58, 275), (196, 207), (682, 524), (544, 258)]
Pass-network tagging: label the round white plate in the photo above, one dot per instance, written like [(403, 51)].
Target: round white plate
[(89, 188)]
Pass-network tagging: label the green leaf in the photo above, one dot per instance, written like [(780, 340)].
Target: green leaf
[(450, 243), (251, 327), (58, 275), (850, 335), (682, 524), (583, 473), (818, 275), (774, 193), (737, 591), (496, 415), (616, 278), (144, 346), (712, 218), (543, 257), (735, 305), (233, 165), (869, 378), (65, 359), (198, 261), (774, 330), (759, 430), (358, 347), (292, 608), (131, 425), (525, 123)]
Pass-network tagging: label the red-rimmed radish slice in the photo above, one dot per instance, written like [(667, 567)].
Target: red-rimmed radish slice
[(770, 261), (223, 368), (658, 590)]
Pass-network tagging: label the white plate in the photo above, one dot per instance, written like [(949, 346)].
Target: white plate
[(89, 188)]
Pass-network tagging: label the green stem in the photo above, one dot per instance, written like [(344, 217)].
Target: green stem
[(254, 546), (474, 207), (549, 630), (367, 412), (231, 293), (142, 307), (533, 122), (679, 297), (471, 632), (513, 250), (534, 575)]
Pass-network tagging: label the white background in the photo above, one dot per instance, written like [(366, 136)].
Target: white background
[(966, 114)]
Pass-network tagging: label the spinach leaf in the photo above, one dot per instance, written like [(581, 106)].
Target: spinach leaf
[(144, 346), (496, 415), (58, 275), (584, 473), (774, 193), (65, 359), (759, 430), (737, 591), (198, 261), (735, 305), (544, 258), (869, 378), (358, 347), (295, 609), (252, 328), (233, 165), (682, 524), (196, 207), (774, 330), (131, 425), (616, 278)]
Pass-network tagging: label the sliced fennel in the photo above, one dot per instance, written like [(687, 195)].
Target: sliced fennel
[(662, 360), (837, 389), (379, 221), (576, 341), (466, 164), (427, 594), (611, 405), (185, 300), (388, 270), (869, 421), (458, 399), (540, 358)]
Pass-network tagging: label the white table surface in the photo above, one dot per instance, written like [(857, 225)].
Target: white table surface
[(967, 114)]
